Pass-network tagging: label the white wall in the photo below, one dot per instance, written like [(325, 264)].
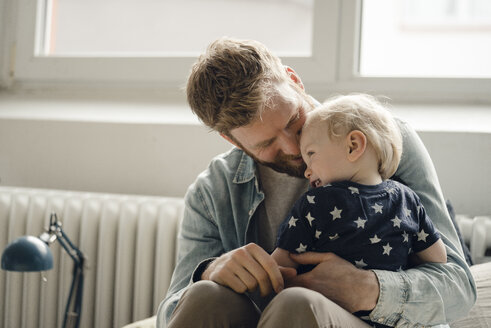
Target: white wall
[(8, 17), (161, 159), (129, 150), (2, 42), (463, 164)]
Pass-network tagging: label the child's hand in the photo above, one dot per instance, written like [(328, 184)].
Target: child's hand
[(288, 273), (339, 280)]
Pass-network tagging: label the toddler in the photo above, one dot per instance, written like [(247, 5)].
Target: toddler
[(352, 146)]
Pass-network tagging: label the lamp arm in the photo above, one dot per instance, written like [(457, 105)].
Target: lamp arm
[(56, 232), (76, 288), (71, 249)]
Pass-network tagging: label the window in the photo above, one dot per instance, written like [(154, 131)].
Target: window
[(438, 38), (173, 28), (408, 49), (93, 42)]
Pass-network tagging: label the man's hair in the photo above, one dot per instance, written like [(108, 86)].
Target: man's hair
[(232, 82), (343, 114)]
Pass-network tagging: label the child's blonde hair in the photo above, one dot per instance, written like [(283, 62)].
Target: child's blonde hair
[(343, 114)]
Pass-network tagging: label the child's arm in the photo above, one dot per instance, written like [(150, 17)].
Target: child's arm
[(436, 253), (282, 257)]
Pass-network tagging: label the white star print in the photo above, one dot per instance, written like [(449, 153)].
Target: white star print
[(354, 190), (310, 218), (360, 264), (292, 222), (360, 223), (318, 234), (387, 249), (336, 214), (301, 248), (422, 235), (377, 208), (311, 199), (375, 239), (336, 236), (391, 190), (407, 211), (405, 236), (397, 222)]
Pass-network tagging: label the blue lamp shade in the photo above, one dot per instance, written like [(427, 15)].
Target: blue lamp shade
[(27, 253)]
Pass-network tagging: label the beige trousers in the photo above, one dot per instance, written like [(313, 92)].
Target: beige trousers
[(207, 304)]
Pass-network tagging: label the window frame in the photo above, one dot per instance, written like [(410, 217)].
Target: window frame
[(32, 66), (420, 89), (331, 68)]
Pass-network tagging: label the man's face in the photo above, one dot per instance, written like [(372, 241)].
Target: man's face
[(273, 139)]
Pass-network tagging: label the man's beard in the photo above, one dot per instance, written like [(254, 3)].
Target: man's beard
[(282, 164)]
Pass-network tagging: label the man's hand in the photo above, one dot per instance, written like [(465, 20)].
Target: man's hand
[(340, 281), (245, 269)]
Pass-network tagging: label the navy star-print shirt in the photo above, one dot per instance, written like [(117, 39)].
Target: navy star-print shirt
[(373, 227)]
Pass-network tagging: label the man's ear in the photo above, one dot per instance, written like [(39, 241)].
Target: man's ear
[(294, 76), (356, 145), (231, 140)]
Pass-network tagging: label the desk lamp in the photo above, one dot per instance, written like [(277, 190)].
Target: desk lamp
[(29, 253)]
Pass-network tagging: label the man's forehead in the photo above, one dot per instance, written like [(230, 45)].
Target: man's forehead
[(305, 138)]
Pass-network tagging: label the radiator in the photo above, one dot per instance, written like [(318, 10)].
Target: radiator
[(129, 243)]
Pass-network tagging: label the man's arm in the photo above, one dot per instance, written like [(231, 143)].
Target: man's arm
[(202, 257), (198, 243), (430, 294), (446, 291), (210, 244)]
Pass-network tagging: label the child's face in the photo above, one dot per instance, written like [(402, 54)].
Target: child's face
[(326, 158)]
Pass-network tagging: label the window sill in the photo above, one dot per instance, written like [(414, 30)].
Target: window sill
[(157, 109), (151, 109)]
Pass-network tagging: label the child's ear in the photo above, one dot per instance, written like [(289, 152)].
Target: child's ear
[(357, 143)]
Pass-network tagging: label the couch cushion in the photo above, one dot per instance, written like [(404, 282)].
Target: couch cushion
[(467, 253), (480, 314), (145, 323)]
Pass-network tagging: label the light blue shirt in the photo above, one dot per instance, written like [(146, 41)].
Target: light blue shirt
[(217, 217)]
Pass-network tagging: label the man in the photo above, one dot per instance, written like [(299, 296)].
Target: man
[(225, 276)]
